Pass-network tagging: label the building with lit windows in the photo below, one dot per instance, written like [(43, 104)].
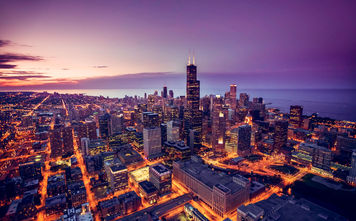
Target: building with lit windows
[(280, 136), (222, 192), (152, 142), (117, 176), (192, 114), (244, 140), (173, 131), (296, 116), (161, 178)]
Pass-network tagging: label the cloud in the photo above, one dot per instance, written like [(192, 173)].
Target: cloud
[(4, 43), (21, 75), (100, 66), (5, 59)]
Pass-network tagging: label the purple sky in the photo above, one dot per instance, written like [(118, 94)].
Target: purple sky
[(256, 44)]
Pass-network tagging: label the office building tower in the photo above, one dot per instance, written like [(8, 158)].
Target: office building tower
[(172, 113), (173, 131), (91, 130), (280, 136), (244, 100), (163, 133), (351, 178), (152, 142), (164, 92), (150, 119), (117, 176), (231, 140), (105, 126), (117, 123), (222, 192), (244, 140), (161, 177), (295, 117), (232, 96), (192, 114), (171, 94), (218, 126), (321, 158)]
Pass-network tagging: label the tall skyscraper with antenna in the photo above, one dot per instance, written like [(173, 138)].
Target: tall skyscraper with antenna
[(192, 114)]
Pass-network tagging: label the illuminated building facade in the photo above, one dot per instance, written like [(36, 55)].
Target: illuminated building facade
[(280, 136), (295, 116), (192, 114), (232, 96), (152, 142), (173, 131), (244, 100), (222, 192), (244, 140), (218, 130), (161, 178), (117, 176), (105, 126)]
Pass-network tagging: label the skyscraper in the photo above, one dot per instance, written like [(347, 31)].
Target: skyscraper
[(173, 131), (244, 140), (295, 117), (105, 126), (232, 98), (165, 92), (244, 100), (192, 114), (152, 142), (280, 136)]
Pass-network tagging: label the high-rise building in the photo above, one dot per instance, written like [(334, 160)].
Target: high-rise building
[(352, 175), (295, 117), (321, 158), (218, 130), (117, 123), (173, 131), (91, 130), (152, 142), (232, 94), (105, 126), (150, 119), (244, 140), (280, 136), (117, 176), (164, 92), (161, 177), (192, 114), (171, 94), (244, 100), (163, 127)]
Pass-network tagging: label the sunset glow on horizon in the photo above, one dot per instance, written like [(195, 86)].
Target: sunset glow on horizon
[(65, 42)]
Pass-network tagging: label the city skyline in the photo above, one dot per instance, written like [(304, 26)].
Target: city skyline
[(101, 118), (106, 45)]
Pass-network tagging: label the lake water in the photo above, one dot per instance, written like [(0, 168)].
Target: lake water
[(334, 103)]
